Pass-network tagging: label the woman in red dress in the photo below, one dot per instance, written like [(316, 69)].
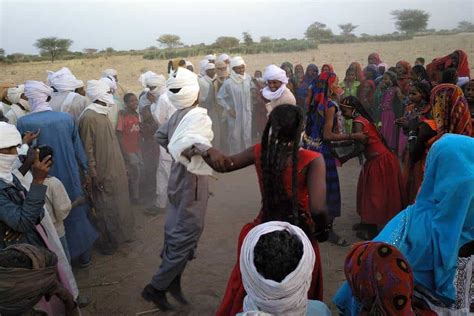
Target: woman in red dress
[(295, 195), (380, 190)]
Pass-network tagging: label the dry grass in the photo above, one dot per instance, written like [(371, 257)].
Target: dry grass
[(339, 55)]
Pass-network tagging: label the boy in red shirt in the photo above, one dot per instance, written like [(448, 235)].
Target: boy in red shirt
[(128, 134)]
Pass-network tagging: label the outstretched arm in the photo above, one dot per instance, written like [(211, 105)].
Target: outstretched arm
[(221, 162)]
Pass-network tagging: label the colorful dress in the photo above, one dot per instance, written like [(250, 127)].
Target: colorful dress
[(235, 292), (389, 130), (380, 191)]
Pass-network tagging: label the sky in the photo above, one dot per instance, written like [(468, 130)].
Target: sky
[(128, 24)]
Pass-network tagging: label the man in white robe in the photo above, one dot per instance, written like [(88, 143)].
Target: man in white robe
[(207, 99), (19, 105), (64, 99), (235, 97)]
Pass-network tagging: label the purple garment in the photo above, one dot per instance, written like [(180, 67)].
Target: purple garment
[(388, 129)]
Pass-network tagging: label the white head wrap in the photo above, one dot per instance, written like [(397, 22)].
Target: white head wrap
[(63, 80), (205, 65), (109, 72), (223, 57), (9, 137), (288, 297), (37, 94), (110, 81), (151, 79), (236, 62), (99, 90), (273, 72), (210, 57), (14, 94), (187, 82)]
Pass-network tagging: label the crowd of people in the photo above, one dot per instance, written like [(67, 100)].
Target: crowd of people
[(73, 156)]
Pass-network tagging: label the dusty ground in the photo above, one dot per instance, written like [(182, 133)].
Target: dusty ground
[(235, 201), (340, 55)]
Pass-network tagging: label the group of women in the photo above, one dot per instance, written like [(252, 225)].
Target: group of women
[(301, 186)]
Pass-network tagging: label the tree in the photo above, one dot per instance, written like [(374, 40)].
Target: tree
[(170, 41), (89, 51), (248, 40), (347, 29), (226, 42), (265, 39), (110, 50), (410, 21), (53, 46), (317, 31), (2, 54), (466, 26)]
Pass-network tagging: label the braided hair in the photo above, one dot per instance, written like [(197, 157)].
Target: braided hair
[(280, 140)]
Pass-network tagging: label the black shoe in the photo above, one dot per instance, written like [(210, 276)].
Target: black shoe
[(175, 291), (151, 294)]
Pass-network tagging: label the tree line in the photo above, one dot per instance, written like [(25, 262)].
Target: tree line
[(408, 22)]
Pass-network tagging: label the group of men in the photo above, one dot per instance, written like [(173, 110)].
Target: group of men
[(79, 125)]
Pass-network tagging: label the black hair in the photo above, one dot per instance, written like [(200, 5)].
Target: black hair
[(421, 60), (353, 102), (127, 97), (424, 89), (44, 151), (450, 76), (12, 258), (421, 73), (281, 140), (277, 254), (393, 77)]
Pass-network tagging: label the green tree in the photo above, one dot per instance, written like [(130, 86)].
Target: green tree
[(347, 29), (248, 40), (265, 39), (317, 31), (226, 42), (53, 46), (170, 41), (466, 26), (410, 21)]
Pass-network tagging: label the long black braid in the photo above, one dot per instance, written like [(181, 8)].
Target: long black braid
[(281, 138)]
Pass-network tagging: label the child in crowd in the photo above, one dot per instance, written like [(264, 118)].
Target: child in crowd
[(57, 201), (420, 61), (350, 85), (128, 134), (390, 104)]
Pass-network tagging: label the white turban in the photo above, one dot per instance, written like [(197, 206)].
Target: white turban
[(151, 79), (223, 57), (99, 90), (210, 57), (273, 72), (288, 297), (110, 81), (187, 83), (109, 72), (9, 136), (37, 94), (14, 94), (63, 80), (205, 65), (236, 62)]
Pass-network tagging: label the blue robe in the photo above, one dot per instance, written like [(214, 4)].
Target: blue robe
[(430, 232), (59, 131)]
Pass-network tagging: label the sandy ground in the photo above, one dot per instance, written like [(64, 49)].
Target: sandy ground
[(115, 282), (339, 55)]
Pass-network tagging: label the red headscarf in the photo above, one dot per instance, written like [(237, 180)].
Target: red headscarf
[(438, 65), (331, 68), (357, 67), (404, 79), (381, 279), (450, 110), (377, 58)]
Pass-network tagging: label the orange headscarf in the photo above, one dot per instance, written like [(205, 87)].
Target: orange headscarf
[(438, 65)]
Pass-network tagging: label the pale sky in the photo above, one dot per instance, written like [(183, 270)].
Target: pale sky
[(127, 24)]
